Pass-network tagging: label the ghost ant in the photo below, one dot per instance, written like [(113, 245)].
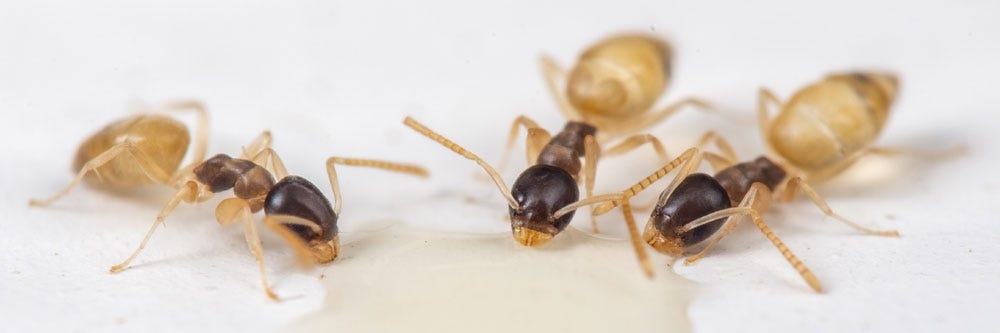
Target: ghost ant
[(822, 130), (615, 83), (611, 89), (294, 208), (543, 199)]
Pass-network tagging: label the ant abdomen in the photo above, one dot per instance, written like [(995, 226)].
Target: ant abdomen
[(827, 122), (620, 76), (696, 196), (540, 191), (298, 197), (163, 140)]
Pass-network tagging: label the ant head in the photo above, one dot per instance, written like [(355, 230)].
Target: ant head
[(540, 191)]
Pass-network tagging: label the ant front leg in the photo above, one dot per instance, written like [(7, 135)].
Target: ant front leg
[(657, 116), (590, 158), (758, 198), (236, 209), (306, 256)]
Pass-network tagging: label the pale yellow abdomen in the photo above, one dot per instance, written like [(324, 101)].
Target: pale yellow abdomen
[(823, 124), (620, 77), (162, 139)]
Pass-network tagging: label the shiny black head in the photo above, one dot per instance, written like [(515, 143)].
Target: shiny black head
[(696, 196), (296, 196), (541, 190)]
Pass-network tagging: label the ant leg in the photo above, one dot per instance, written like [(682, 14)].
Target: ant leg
[(189, 192), (331, 172), (591, 150), (688, 161), (633, 232), (940, 154), (804, 271), (201, 131), (532, 146), (797, 182), (635, 141), (146, 165), (423, 130), (728, 157), (764, 98), (657, 116), (303, 252), (262, 141), (236, 209), (751, 199), (277, 166), (550, 71), (925, 154), (534, 143)]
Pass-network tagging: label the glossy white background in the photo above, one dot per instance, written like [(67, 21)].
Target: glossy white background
[(337, 78)]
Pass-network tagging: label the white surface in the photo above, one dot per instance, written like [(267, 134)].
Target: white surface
[(336, 78)]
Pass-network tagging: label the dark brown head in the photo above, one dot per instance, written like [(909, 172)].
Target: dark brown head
[(298, 197), (696, 196), (540, 191)]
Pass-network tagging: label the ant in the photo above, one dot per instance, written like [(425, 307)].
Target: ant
[(294, 208), (545, 196), (611, 88), (826, 127), (615, 83)]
